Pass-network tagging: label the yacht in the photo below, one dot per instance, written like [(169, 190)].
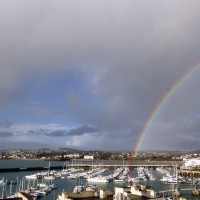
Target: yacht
[(99, 179), (31, 177)]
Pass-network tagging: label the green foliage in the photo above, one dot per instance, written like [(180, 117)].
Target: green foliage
[(197, 169), (104, 155)]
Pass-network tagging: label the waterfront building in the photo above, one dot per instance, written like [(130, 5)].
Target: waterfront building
[(72, 155), (194, 162), (89, 157)]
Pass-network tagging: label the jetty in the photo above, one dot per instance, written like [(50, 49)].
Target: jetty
[(84, 166), (17, 169)]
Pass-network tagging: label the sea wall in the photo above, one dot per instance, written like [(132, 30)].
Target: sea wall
[(28, 169)]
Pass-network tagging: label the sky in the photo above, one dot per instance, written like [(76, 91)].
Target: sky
[(89, 74)]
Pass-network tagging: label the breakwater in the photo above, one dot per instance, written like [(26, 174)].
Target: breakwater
[(85, 166), (39, 165), (16, 169)]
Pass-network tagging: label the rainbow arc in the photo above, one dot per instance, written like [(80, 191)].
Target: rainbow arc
[(156, 110)]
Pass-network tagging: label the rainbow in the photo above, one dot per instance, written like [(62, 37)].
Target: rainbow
[(160, 104)]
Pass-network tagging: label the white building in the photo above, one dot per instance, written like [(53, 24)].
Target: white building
[(194, 162), (72, 156), (89, 157)]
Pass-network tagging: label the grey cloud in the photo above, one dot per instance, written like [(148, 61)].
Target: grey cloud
[(183, 134), (31, 132), (187, 127), (73, 132), (58, 133), (61, 133), (6, 124), (112, 48), (83, 129), (39, 132), (42, 131), (5, 134)]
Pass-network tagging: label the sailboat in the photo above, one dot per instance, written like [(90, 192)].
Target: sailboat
[(49, 177)]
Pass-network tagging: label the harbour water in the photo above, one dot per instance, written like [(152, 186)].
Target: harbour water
[(65, 184)]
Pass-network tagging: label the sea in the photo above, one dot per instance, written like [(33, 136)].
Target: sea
[(68, 185)]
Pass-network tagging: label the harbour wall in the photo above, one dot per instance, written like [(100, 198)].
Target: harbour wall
[(86, 167), (16, 169)]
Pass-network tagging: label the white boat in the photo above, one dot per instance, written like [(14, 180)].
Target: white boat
[(78, 188), (72, 176), (42, 185), (92, 188), (171, 181), (31, 176), (98, 179), (49, 177), (164, 178), (53, 186), (63, 177), (119, 181)]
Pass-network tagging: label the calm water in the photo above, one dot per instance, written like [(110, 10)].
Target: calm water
[(64, 184), (27, 163)]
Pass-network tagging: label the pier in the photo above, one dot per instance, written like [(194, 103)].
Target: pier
[(85, 166)]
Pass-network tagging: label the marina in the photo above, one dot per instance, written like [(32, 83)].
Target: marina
[(71, 177), (100, 100)]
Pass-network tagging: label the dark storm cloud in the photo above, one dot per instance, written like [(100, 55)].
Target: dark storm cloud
[(5, 134), (36, 132), (83, 129), (125, 42), (31, 132), (41, 132), (135, 131), (183, 134), (58, 133), (61, 133)]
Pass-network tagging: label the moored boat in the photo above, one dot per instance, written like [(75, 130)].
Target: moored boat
[(98, 179)]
